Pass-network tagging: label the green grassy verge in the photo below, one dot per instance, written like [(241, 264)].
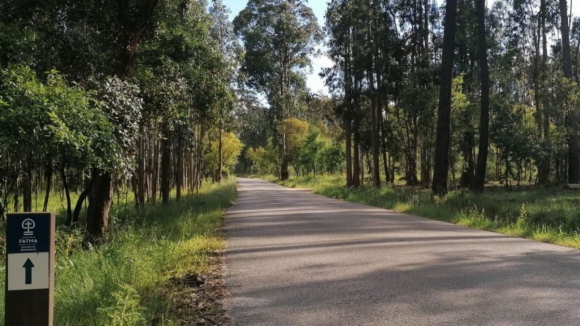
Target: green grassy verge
[(548, 215), (127, 280)]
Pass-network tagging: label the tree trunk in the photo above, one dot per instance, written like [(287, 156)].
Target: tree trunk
[(220, 154), (545, 99), (16, 198), (356, 180), (165, 164), (284, 173), (67, 194), (573, 149), (79, 204), (48, 175), (425, 168), (375, 172), (484, 113), (179, 169), (99, 204), (348, 151), (443, 139), (155, 173), (384, 143), (140, 198), (27, 185)]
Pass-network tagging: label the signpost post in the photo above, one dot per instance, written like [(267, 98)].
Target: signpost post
[(30, 264)]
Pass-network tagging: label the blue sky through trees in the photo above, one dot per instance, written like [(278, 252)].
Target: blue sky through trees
[(314, 81)]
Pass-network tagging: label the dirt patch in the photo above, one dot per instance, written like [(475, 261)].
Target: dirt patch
[(198, 299)]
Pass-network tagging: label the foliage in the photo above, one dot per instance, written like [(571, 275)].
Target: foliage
[(263, 160), (125, 309), (127, 279), (280, 38), (231, 149)]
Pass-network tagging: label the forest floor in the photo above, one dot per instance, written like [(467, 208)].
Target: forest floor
[(158, 266), (549, 215)]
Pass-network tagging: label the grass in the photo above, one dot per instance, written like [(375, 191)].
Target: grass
[(126, 281), (547, 215)]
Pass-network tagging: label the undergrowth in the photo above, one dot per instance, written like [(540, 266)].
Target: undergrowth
[(548, 215), (126, 280)]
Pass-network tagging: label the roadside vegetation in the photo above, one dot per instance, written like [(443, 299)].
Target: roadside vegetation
[(152, 255), (548, 215), (477, 102)]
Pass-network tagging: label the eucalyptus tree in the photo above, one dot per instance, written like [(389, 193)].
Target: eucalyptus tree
[(443, 141), (572, 124), (479, 181), (223, 31), (339, 78), (279, 39)]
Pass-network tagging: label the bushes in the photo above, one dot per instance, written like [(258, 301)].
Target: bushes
[(125, 281)]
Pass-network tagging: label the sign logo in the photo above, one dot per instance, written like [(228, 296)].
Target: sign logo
[(28, 224)]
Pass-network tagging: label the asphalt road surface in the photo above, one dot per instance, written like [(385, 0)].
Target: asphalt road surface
[(294, 258)]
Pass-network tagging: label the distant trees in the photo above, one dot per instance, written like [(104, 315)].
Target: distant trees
[(391, 57), (309, 151), (135, 96), (153, 97), (279, 38)]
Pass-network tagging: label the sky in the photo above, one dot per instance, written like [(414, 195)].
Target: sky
[(315, 82)]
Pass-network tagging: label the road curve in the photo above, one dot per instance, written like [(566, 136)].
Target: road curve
[(294, 258)]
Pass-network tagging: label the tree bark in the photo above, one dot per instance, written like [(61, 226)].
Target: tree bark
[(443, 139), (484, 113)]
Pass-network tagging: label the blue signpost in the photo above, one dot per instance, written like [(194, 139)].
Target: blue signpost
[(30, 242)]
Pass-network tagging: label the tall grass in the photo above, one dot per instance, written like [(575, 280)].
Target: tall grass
[(548, 215), (125, 280)]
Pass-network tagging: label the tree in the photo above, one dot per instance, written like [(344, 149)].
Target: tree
[(443, 141), (572, 124), (279, 39), (479, 181)]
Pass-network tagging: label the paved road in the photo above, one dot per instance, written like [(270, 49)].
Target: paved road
[(295, 258)]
